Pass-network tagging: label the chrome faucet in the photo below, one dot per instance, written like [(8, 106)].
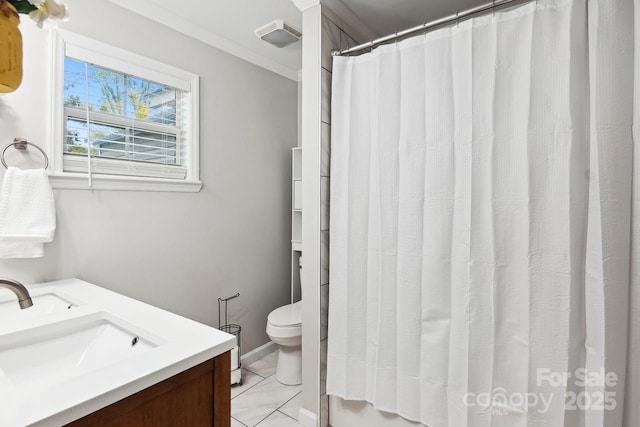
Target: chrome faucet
[(24, 299)]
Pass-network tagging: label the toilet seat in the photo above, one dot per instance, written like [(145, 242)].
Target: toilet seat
[(284, 328), (291, 333), (285, 323), (286, 316)]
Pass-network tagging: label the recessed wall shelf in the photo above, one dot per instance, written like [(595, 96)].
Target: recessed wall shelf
[(296, 220), (297, 163), (296, 197)]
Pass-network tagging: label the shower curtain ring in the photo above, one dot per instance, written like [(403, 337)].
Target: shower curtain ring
[(493, 7), (396, 37), (457, 19), (424, 27)]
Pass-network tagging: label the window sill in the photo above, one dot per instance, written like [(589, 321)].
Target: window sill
[(75, 181)]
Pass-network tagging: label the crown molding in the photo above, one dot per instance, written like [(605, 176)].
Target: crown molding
[(162, 16)]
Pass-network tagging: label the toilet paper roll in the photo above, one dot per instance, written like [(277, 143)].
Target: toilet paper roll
[(236, 376), (234, 358)]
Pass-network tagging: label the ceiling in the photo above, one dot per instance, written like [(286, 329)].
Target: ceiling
[(229, 24)]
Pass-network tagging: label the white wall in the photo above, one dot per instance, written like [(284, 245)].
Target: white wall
[(177, 251)]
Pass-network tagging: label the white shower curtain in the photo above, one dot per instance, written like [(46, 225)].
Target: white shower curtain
[(485, 221)]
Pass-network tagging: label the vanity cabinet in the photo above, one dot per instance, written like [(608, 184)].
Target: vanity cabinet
[(200, 396)]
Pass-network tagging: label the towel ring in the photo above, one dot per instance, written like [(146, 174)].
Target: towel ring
[(21, 144)]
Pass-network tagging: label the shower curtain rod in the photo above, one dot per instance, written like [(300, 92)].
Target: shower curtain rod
[(427, 25)]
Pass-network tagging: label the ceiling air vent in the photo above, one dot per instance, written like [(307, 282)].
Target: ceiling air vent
[(279, 33)]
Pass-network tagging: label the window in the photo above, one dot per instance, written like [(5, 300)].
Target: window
[(122, 121)]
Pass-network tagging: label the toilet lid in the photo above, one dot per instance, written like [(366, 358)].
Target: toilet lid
[(287, 315)]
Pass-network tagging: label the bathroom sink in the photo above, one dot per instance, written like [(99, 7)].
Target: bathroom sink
[(50, 354), (59, 364), (46, 301)]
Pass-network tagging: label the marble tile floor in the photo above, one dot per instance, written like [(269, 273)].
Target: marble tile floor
[(261, 400)]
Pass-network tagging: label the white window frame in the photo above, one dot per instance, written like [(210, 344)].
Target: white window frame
[(64, 43)]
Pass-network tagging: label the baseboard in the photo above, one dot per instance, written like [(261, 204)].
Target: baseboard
[(307, 418), (258, 353)]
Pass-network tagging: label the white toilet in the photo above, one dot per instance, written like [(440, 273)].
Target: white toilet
[(284, 327)]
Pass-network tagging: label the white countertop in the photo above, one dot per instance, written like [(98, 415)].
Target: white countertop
[(181, 344)]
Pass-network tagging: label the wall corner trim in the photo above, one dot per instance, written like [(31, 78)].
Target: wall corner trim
[(307, 418), (303, 5)]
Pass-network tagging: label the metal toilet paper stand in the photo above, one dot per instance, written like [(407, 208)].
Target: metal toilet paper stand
[(233, 329)]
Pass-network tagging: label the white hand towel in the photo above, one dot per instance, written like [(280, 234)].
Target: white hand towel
[(27, 213)]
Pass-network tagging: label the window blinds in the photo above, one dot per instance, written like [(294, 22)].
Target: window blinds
[(120, 124)]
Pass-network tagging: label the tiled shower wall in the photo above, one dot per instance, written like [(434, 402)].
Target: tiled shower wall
[(333, 37)]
